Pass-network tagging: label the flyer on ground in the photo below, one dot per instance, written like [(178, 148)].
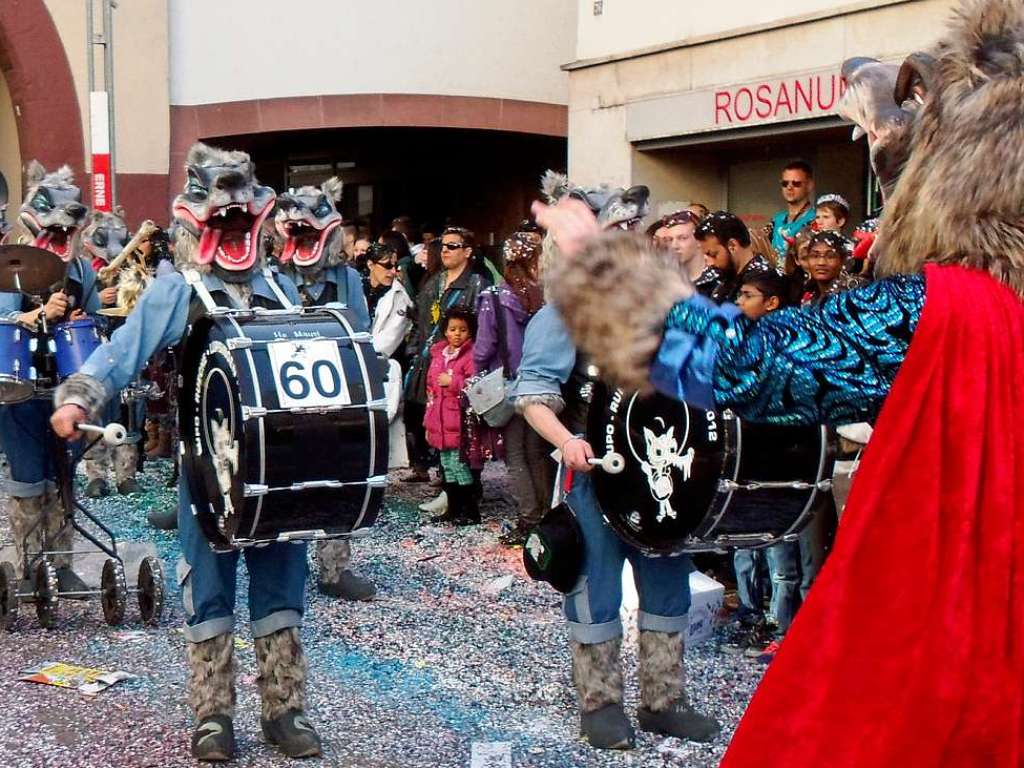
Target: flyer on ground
[(86, 680)]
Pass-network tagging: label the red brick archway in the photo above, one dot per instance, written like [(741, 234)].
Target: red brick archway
[(42, 86), (297, 113)]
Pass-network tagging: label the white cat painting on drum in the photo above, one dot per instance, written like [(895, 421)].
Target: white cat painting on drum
[(663, 454)]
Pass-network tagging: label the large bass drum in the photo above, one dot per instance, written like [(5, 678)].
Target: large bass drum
[(283, 425), (697, 480)]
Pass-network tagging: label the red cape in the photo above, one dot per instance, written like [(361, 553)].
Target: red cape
[(908, 651)]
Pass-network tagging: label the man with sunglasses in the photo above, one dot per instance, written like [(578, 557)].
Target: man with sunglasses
[(454, 285), (797, 186)]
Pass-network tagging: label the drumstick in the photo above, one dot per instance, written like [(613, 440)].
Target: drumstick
[(613, 463)]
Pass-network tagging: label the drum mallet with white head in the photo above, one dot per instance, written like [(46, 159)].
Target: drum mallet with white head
[(612, 463), (112, 434)]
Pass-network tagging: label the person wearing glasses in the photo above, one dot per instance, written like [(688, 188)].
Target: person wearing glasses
[(387, 300), (827, 253), (454, 285), (797, 185)]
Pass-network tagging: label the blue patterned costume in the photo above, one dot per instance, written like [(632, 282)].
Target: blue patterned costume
[(832, 363)]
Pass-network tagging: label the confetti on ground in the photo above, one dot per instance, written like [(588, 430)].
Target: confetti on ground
[(459, 652)]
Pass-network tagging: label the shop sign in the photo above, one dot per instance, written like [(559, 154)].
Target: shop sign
[(795, 97)]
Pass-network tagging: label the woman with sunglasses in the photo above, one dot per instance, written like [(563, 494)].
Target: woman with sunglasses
[(387, 300)]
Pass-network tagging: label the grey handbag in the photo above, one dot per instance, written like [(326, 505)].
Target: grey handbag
[(487, 396)]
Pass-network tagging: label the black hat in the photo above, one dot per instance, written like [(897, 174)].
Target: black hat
[(553, 551)]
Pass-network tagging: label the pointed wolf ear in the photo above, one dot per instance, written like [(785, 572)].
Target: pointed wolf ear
[(34, 173), (916, 78), (332, 188)]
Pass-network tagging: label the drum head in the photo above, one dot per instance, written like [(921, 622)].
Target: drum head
[(211, 434), (674, 455)]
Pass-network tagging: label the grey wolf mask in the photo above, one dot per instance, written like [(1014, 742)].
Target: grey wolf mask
[(308, 226), (52, 211), (105, 236), (219, 215)]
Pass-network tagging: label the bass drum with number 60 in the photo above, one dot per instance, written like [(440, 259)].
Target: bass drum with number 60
[(283, 426)]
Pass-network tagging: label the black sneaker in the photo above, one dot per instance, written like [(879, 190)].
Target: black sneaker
[(607, 728), (681, 721), (761, 636), (292, 733), (163, 519), (213, 740), (349, 586), (69, 581), (97, 489)]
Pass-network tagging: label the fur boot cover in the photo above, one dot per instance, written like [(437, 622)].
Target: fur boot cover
[(26, 515), (597, 674), (661, 672), (59, 537), (212, 677), (614, 298), (282, 678), (81, 390)]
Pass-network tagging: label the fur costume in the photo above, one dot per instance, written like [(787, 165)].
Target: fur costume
[(282, 678), (597, 674), (105, 236), (211, 688)]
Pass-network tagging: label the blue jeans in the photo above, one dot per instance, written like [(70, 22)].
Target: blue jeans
[(25, 431), (784, 565), (592, 608), (277, 582), (748, 564)]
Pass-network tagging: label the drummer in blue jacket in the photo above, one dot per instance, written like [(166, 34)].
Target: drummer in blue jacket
[(552, 394), (220, 254), (308, 245), (51, 218)]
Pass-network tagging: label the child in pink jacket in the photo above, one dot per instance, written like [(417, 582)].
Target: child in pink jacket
[(451, 365)]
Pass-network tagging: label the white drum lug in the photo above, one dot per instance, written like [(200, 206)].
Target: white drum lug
[(362, 337), (239, 342), (255, 489), (377, 481)]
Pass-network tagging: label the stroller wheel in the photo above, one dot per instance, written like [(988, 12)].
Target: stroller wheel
[(8, 596), (113, 592), (46, 594), (151, 590)]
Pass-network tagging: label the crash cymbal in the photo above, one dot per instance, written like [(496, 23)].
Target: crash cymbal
[(115, 311), (36, 270)]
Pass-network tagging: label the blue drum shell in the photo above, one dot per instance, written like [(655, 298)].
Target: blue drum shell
[(74, 342)]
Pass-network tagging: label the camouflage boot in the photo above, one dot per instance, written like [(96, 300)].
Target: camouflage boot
[(211, 694), (61, 538), (97, 462), (597, 675), (282, 684), (664, 707), (27, 529), (126, 460), (336, 578)]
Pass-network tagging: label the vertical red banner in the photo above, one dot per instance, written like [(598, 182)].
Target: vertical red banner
[(101, 182)]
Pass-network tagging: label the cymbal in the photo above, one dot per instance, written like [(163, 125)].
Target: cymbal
[(115, 311), (36, 269)]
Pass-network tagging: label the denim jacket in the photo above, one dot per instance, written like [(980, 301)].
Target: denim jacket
[(348, 289), (157, 322), (549, 357)]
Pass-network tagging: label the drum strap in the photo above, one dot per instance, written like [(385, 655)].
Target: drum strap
[(195, 280), (284, 300)]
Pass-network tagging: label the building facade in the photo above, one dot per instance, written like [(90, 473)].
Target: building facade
[(708, 107), (310, 89)]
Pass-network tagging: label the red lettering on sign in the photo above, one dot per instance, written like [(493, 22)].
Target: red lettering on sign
[(764, 100), (743, 114), (783, 98), (833, 96), (805, 95), (722, 101)]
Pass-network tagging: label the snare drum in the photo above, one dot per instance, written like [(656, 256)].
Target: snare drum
[(284, 428), (16, 373), (697, 480), (73, 342)]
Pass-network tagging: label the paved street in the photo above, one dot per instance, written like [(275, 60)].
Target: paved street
[(459, 653)]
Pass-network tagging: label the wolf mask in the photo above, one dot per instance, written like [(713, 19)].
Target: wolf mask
[(308, 227), (105, 236), (946, 132), (219, 215), (52, 211)]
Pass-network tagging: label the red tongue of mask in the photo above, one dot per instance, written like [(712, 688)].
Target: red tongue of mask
[(208, 243)]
